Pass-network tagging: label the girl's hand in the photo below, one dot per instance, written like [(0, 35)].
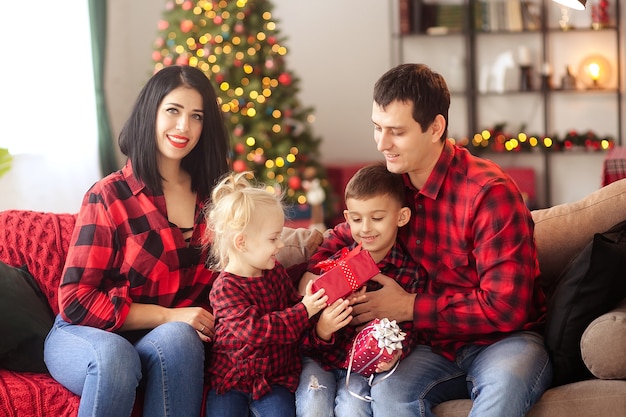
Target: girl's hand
[(334, 317), (313, 302)]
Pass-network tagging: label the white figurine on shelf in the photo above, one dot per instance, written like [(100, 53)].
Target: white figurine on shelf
[(315, 196)]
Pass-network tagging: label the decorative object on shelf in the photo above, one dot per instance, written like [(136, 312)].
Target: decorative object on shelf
[(568, 82), (498, 139), (5, 161), (574, 4), (526, 69), (600, 14), (493, 76), (588, 141), (546, 76), (594, 71), (564, 20)]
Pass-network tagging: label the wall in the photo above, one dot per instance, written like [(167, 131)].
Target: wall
[(338, 49)]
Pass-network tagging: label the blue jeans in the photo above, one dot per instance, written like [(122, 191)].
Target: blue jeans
[(503, 379), (277, 403), (105, 369), (324, 393)]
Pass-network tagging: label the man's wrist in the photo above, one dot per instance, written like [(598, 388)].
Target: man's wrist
[(410, 307)]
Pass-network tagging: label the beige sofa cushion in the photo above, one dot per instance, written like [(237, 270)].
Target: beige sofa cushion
[(300, 244), (603, 344), (563, 230)]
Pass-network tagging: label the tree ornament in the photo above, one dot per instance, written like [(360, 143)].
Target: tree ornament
[(239, 166), (294, 183), (284, 78)]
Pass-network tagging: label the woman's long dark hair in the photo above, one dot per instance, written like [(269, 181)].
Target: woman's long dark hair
[(207, 162)]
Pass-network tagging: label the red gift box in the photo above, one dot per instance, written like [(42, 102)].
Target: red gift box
[(375, 343), (346, 274)]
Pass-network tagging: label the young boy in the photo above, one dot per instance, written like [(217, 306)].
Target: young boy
[(375, 211)]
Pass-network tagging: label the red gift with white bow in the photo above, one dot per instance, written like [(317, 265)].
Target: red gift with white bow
[(375, 343)]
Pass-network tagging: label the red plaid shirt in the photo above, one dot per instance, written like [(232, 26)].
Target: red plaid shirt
[(472, 233), (124, 250), (334, 353), (259, 322)]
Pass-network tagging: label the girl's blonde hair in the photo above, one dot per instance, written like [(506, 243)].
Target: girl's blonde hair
[(234, 203)]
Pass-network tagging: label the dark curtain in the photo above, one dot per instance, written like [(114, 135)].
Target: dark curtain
[(98, 24)]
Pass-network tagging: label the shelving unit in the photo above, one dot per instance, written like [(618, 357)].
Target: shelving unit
[(482, 97)]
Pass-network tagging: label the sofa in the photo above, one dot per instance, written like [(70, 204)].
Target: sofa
[(40, 240)]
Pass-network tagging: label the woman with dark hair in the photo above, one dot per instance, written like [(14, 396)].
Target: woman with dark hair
[(133, 298)]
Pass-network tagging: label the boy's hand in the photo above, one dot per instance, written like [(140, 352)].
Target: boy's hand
[(313, 302), (334, 317), (386, 366)]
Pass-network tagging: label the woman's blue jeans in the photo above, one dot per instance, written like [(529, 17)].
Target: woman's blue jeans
[(277, 403), (503, 379), (105, 369)]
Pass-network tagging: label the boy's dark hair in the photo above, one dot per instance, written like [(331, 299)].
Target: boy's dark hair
[(419, 85), (375, 180), (207, 162)]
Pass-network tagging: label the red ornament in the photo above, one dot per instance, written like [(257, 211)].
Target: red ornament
[(239, 166), (167, 61), (186, 26), (284, 78), (239, 148), (182, 60), (295, 183), (163, 24), (187, 5), (156, 56)]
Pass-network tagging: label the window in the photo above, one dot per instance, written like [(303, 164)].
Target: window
[(48, 107)]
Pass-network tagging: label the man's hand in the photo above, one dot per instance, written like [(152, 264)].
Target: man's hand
[(391, 301)]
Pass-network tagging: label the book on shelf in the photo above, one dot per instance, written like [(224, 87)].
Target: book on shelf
[(506, 15), (405, 10), (437, 17)]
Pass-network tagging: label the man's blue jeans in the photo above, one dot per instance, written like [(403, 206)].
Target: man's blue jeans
[(105, 369), (503, 379), (277, 403)]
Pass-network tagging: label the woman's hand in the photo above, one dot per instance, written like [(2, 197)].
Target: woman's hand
[(196, 317), (149, 316)]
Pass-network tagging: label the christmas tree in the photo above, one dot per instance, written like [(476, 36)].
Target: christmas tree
[(237, 44)]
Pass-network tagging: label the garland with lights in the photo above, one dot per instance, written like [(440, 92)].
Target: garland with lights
[(497, 139), (237, 44)]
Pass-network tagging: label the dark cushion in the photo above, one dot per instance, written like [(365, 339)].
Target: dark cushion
[(25, 320), (592, 284)]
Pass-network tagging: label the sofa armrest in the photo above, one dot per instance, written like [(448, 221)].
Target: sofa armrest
[(562, 231), (603, 344)]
